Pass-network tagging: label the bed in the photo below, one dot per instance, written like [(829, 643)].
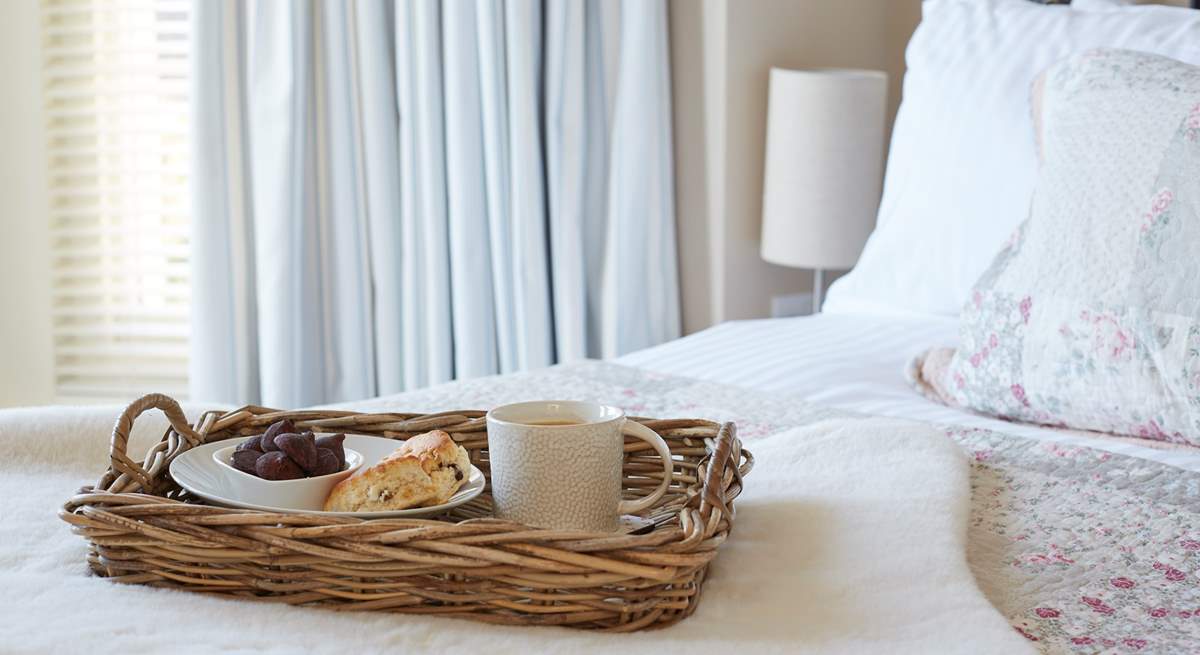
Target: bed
[(1079, 542), (1018, 538)]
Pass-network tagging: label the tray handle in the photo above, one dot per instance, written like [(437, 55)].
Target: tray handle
[(124, 473), (714, 495)]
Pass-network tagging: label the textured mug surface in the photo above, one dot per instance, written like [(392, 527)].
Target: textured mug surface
[(557, 464)]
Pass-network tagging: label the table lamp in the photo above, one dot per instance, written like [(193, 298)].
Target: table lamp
[(824, 164)]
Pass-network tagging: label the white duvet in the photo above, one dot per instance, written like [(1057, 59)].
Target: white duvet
[(850, 537)]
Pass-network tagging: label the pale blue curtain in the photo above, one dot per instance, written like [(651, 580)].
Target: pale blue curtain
[(391, 195)]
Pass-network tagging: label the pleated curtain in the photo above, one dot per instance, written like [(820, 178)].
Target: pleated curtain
[(392, 195)]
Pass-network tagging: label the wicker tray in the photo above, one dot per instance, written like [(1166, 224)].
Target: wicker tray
[(144, 529)]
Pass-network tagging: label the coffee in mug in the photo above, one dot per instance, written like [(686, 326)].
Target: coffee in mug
[(557, 464)]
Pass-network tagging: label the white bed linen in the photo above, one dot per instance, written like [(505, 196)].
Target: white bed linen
[(850, 363), (805, 574), (853, 362)]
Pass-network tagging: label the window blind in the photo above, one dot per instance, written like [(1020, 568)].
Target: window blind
[(116, 106)]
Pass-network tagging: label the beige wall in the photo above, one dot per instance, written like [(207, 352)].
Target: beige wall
[(789, 34), (722, 52), (25, 345)]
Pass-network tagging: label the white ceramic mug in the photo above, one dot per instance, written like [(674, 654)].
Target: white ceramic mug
[(557, 464)]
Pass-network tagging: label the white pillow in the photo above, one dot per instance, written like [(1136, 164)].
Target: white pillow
[(963, 162)]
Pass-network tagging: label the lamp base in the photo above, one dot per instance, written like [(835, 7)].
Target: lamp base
[(791, 304), (801, 304), (818, 291)]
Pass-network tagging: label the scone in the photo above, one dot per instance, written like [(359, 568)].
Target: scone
[(425, 470)]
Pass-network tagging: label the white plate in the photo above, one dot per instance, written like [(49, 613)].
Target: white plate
[(196, 471)]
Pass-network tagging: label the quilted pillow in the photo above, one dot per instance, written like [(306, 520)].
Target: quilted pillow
[(1089, 317)]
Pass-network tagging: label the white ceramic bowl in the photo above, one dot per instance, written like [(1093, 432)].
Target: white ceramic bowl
[(302, 494)]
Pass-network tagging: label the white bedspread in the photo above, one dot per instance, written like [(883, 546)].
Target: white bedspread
[(850, 538)]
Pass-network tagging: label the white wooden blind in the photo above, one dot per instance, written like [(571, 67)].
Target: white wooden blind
[(116, 99)]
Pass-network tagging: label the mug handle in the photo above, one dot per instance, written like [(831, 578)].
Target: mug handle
[(635, 429)]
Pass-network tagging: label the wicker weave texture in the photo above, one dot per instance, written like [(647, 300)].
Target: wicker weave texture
[(143, 529)]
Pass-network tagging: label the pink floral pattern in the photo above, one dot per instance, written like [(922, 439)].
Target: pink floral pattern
[(1018, 392), (1102, 546), (1156, 218), (1025, 307), (1111, 340), (1123, 583)]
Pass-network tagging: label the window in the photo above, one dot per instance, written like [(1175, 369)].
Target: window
[(116, 100)]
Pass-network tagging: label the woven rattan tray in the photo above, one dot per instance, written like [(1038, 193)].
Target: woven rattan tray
[(143, 529)]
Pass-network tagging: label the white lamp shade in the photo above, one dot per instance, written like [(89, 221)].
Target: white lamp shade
[(824, 165)]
